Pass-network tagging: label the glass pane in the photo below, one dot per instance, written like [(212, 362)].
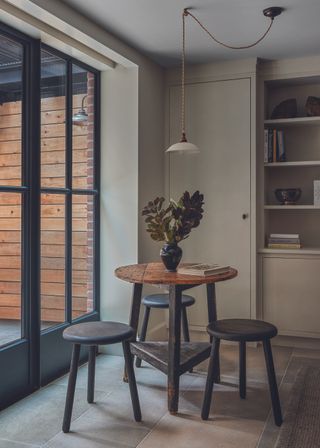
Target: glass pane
[(52, 259), (11, 59), (53, 127), (10, 267), (82, 254), (83, 128)]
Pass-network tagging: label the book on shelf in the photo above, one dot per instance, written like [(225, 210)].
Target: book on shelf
[(265, 146), (284, 235), (270, 146), (284, 240), (284, 246), (274, 147), (280, 142), (202, 269)]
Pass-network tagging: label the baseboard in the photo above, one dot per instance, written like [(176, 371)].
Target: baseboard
[(297, 342)]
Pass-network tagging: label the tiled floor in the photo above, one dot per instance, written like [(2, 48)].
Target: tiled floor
[(36, 420)]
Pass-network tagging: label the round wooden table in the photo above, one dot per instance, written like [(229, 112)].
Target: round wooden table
[(173, 357)]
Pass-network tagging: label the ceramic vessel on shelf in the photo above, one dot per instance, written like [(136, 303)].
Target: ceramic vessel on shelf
[(288, 196)]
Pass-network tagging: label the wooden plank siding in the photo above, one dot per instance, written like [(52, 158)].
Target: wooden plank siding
[(52, 212)]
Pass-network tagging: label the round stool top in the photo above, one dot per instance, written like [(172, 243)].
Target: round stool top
[(94, 333), (242, 330), (162, 300)]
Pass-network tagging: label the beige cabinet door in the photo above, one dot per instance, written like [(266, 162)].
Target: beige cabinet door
[(218, 122)]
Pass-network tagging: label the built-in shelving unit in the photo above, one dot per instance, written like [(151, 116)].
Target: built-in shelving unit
[(289, 277), (300, 168)]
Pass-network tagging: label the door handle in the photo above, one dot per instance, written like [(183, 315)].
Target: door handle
[(245, 215)]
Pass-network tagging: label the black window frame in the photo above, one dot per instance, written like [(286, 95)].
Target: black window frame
[(30, 190), (69, 190)]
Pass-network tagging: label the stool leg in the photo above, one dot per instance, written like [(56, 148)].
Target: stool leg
[(185, 327), (91, 373), (71, 388), (132, 381), (212, 317), (143, 330), (242, 369), (272, 383), (212, 372)]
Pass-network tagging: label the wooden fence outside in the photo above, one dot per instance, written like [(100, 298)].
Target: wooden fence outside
[(52, 211)]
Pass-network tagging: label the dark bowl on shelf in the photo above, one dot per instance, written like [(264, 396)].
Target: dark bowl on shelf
[(288, 196)]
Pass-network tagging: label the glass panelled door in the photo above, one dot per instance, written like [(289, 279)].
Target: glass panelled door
[(49, 209)]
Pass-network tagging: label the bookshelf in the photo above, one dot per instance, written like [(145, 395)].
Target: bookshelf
[(301, 167), (288, 278)]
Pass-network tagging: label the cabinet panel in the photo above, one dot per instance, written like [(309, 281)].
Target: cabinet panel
[(218, 122), (291, 295)]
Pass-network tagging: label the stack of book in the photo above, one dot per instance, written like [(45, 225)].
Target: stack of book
[(274, 150), (202, 269), (284, 241)]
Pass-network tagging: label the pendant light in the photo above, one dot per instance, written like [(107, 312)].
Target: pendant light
[(185, 147)]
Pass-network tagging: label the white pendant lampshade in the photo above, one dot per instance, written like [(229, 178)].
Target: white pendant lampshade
[(183, 147)]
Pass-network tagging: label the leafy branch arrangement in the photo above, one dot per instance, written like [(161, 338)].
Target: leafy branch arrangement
[(175, 222)]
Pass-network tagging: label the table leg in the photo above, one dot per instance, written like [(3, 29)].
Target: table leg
[(212, 317), (175, 293), (134, 315)]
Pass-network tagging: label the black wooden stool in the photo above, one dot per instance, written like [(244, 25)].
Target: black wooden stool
[(242, 331), (162, 301), (94, 334)]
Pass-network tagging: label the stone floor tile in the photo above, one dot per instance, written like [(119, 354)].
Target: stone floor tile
[(256, 370), (109, 374), (9, 444), (99, 433), (184, 430), (110, 423), (37, 418), (227, 403)]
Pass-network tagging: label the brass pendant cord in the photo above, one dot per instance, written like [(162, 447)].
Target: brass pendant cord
[(183, 118), (269, 12), (186, 12)]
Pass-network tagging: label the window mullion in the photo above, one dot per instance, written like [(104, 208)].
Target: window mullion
[(68, 217), (32, 197)]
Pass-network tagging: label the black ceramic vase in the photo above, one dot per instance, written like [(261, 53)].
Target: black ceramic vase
[(171, 255)]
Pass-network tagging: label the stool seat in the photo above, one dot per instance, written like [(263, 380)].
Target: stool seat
[(162, 300), (242, 330), (98, 333)]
